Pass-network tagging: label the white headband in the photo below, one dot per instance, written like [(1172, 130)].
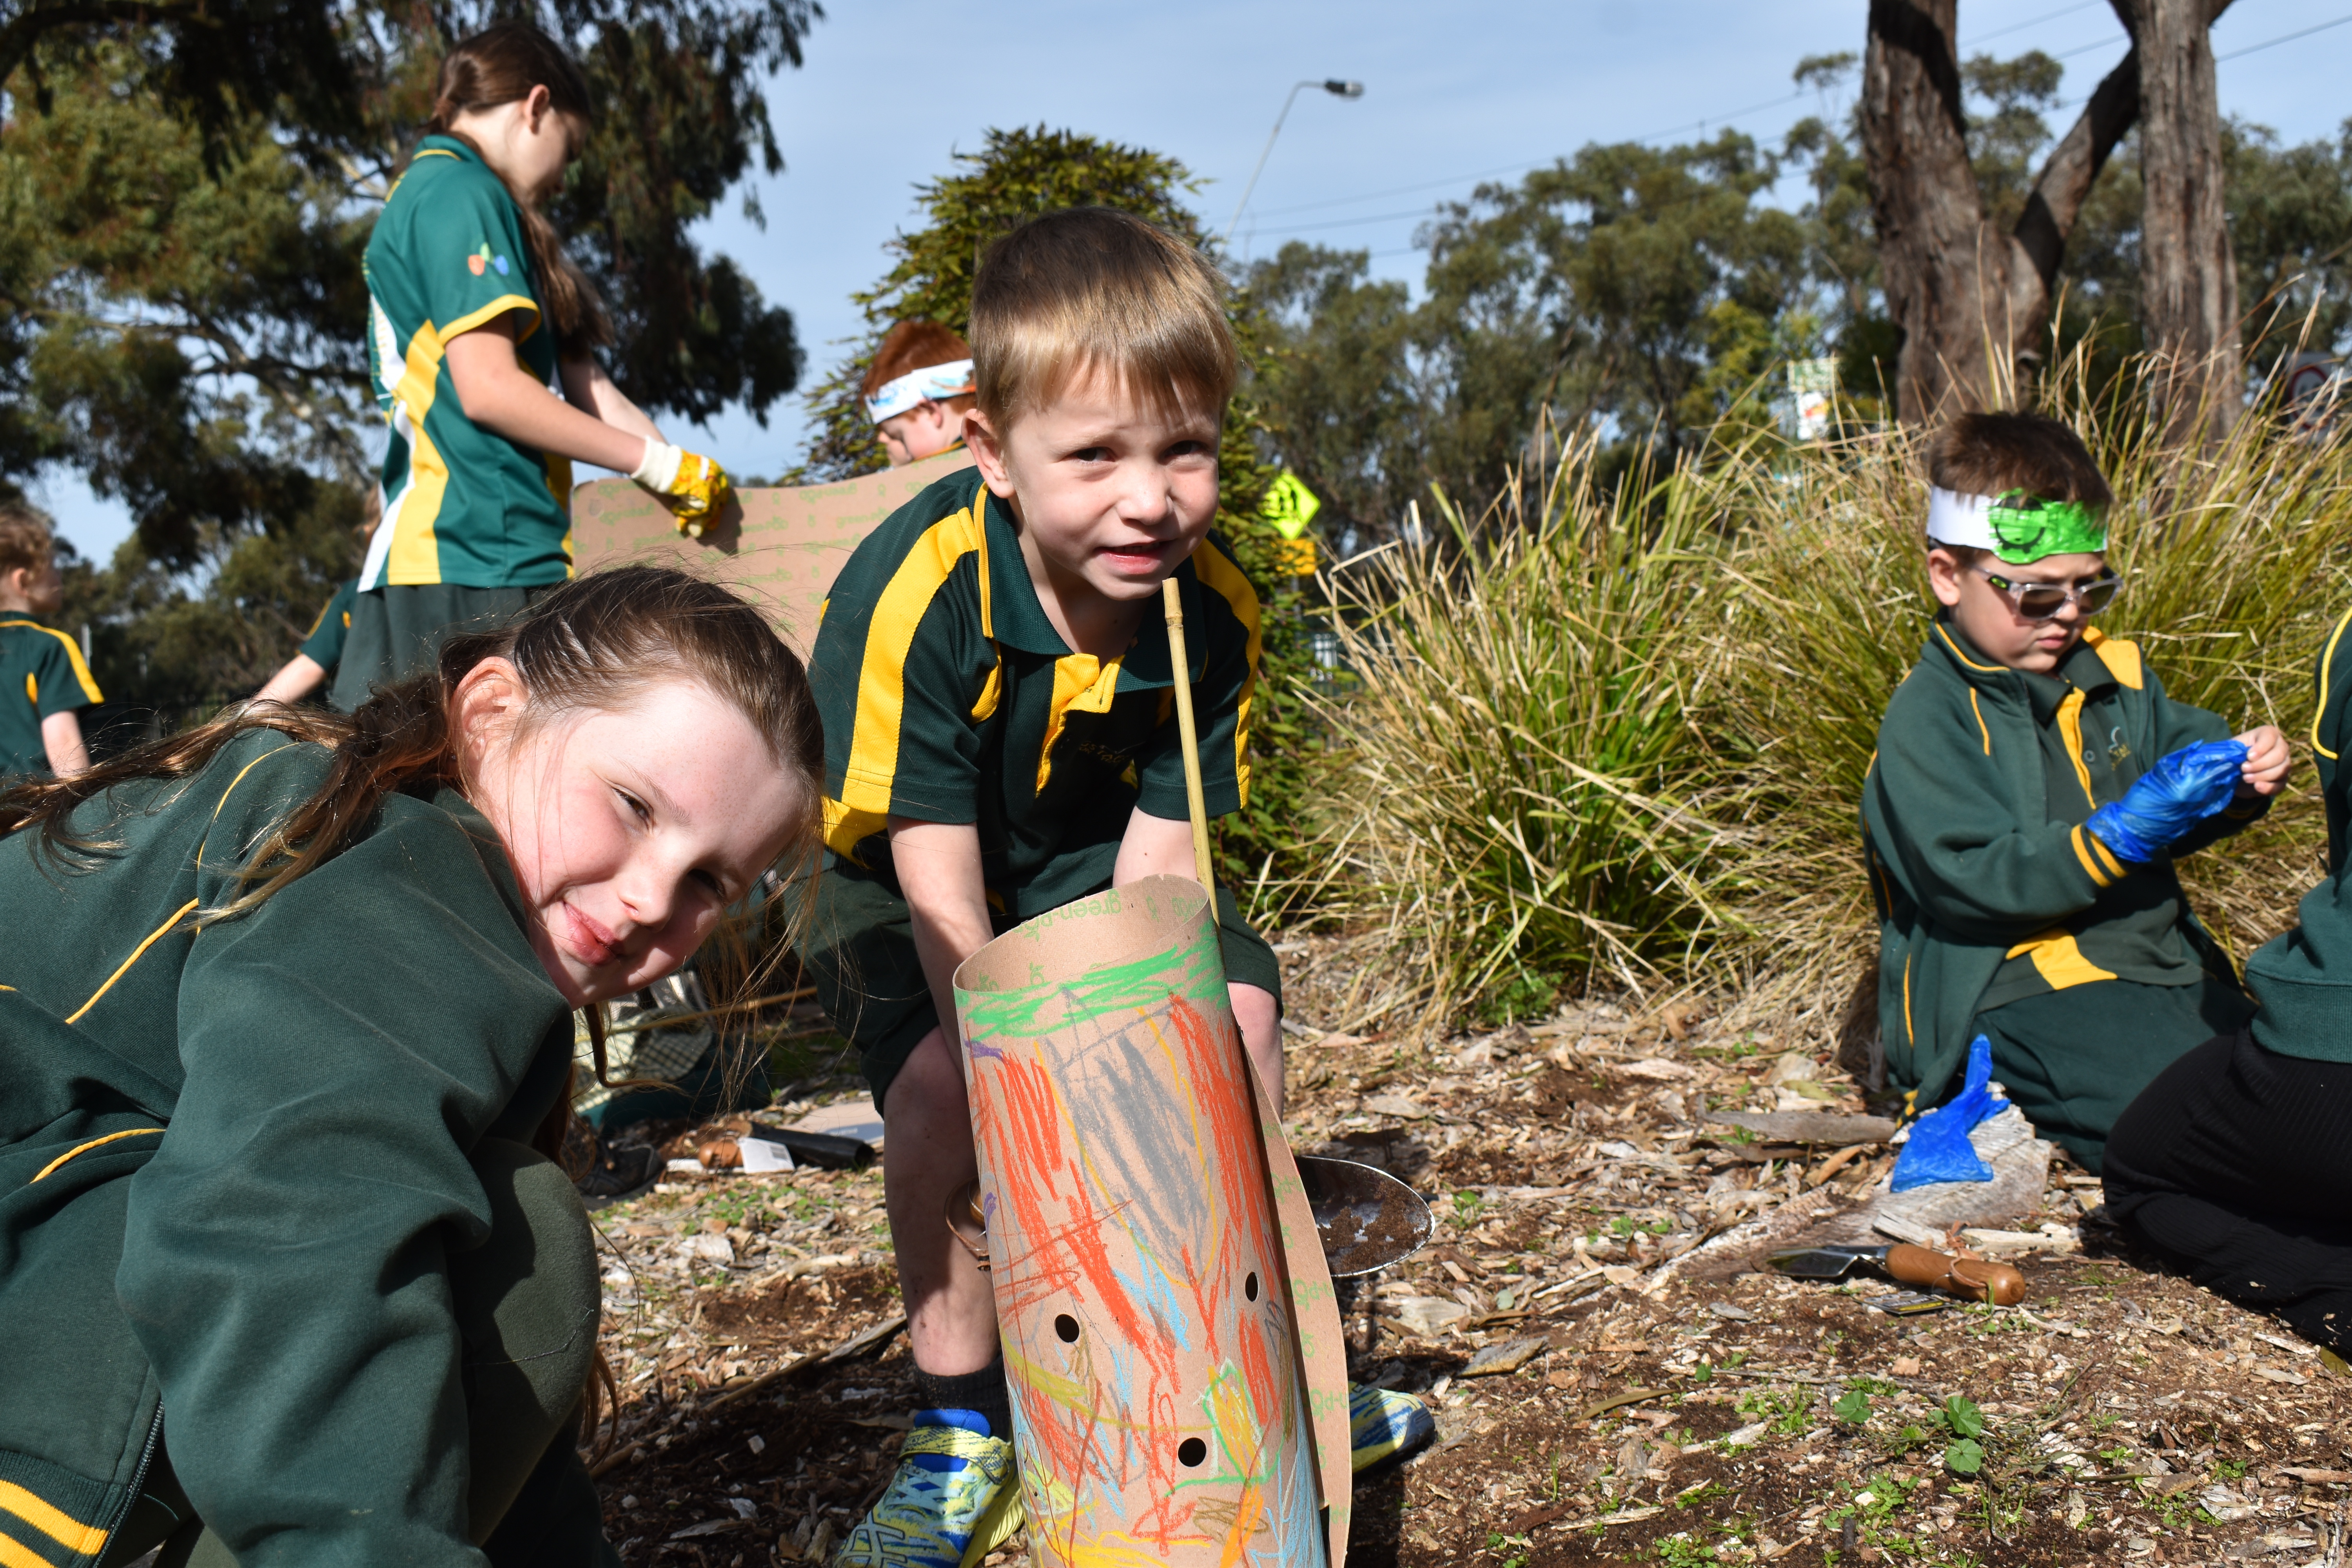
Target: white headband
[(2016, 527), (930, 384)]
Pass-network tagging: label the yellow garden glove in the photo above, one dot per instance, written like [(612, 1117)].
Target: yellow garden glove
[(692, 486)]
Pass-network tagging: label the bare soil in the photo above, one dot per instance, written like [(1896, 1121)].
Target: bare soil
[(1666, 1413)]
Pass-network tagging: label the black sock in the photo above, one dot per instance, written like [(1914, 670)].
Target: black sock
[(984, 1393)]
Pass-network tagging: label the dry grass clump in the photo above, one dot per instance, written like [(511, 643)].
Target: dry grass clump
[(1623, 728), (1518, 793)]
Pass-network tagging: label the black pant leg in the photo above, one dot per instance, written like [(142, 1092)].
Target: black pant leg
[(2236, 1164)]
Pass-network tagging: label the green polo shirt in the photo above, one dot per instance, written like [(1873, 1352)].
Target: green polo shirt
[(322, 644), (41, 672), (461, 505), (2304, 979), (947, 697)]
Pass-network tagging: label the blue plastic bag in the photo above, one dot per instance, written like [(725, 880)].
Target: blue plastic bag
[(2180, 791), (1938, 1149)]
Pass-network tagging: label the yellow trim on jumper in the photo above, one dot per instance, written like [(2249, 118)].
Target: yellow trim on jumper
[(2327, 679), (136, 954), (73, 657), (2121, 657), (51, 1520), (32, 689), (1964, 659), (2059, 960), (1081, 682), (1979, 711), (415, 553), (13, 1555), (86, 1148), (2107, 857), (2070, 730), (1910, 1034), (2092, 859)]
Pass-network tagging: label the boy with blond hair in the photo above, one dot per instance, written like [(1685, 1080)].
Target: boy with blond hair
[(2033, 789), (997, 694), (43, 677)]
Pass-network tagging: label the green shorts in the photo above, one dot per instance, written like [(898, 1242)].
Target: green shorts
[(860, 954), (397, 631)]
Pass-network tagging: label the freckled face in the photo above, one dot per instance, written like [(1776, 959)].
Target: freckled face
[(631, 831), (1987, 619)]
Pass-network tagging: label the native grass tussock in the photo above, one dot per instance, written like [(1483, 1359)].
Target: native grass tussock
[(1618, 734)]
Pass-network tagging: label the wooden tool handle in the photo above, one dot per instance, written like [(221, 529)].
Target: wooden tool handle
[(1972, 1278), (1179, 672)]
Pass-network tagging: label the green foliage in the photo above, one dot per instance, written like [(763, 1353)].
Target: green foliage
[(1518, 788), (1964, 1457), (1853, 1407), (1017, 176), (1962, 1417), (185, 193)]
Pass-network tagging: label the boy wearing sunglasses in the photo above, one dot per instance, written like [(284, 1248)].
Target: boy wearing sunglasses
[(2032, 788)]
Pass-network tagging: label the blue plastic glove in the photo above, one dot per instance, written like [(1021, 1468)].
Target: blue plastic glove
[(1938, 1149), (2180, 791)]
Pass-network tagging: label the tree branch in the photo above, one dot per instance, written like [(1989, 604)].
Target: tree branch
[(2073, 168), (22, 32)]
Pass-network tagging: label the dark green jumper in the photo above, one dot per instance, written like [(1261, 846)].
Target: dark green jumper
[(236, 1161)]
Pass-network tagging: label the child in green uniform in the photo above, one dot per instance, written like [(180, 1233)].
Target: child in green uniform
[(2032, 789), (43, 677), (2236, 1163), (286, 1032), (479, 329), (323, 648), (918, 391), (995, 681)]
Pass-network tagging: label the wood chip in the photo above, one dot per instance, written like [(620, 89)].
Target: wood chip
[(1509, 1356), (1809, 1126)]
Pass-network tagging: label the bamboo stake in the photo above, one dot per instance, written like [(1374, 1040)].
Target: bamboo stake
[(1180, 666)]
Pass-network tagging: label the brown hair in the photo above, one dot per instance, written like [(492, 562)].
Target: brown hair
[(500, 65), (1090, 287), (1992, 454), (26, 544), (912, 346)]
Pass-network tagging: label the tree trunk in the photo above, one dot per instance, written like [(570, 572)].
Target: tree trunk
[(2189, 279), (1967, 296)]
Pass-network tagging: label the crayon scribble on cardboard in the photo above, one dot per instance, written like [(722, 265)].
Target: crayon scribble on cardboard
[(1151, 1325)]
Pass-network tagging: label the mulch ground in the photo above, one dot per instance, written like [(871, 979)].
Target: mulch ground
[(1653, 1411)]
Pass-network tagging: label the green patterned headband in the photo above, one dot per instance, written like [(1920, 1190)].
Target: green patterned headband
[(2019, 528)]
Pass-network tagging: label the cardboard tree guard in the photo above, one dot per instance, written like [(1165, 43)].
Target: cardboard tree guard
[(1172, 1339), (779, 548)]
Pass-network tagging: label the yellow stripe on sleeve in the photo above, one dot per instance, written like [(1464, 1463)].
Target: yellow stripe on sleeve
[(2083, 852), (871, 773), (73, 658), (1219, 574), (51, 1520)]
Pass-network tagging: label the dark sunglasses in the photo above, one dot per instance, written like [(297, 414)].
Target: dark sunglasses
[(2042, 600)]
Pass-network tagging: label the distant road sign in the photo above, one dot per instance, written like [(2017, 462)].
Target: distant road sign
[(1289, 505)]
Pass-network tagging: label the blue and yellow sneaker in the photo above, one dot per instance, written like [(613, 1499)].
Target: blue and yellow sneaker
[(955, 1499), (1384, 1423)]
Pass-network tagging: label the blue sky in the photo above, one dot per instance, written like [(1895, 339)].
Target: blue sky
[(1453, 93)]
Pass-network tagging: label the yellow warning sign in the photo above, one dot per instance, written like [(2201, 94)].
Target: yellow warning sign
[(1289, 505)]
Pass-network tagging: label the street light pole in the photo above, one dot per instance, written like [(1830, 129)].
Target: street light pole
[(1337, 89)]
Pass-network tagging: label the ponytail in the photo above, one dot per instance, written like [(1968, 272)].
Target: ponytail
[(500, 65)]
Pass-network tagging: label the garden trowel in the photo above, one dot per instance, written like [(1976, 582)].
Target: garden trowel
[(1972, 1278)]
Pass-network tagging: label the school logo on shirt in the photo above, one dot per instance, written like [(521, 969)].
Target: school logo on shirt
[(482, 262)]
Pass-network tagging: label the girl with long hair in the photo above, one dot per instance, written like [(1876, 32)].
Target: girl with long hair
[(285, 1048), (479, 332)]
